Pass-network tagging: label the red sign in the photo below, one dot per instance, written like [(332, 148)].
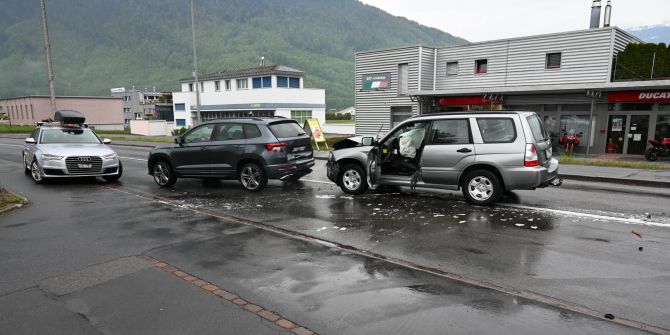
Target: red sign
[(464, 100), (639, 96)]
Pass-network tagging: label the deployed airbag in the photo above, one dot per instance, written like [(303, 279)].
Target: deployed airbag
[(410, 141)]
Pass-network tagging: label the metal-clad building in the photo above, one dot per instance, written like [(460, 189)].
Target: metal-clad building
[(550, 74)]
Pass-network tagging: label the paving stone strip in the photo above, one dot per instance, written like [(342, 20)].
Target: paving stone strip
[(233, 298)]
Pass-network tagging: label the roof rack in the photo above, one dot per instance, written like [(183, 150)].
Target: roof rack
[(469, 113)]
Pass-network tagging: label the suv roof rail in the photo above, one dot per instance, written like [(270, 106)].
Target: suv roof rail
[(255, 118), (469, 113)]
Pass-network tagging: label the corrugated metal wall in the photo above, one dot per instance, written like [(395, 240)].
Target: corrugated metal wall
[(373, 107)]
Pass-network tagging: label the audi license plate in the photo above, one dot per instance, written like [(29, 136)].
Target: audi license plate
[(299, 149), (84, 166)]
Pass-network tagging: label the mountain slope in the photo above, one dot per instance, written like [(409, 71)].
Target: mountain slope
[(99, 44), (652, 34)]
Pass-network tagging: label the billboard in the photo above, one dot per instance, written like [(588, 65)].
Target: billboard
[(376, 81)]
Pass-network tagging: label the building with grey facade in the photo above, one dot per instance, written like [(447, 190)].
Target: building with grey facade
[(567, 78), (145, 105)]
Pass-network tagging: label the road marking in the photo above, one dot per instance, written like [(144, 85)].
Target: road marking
[(133, 158), (532, 296), (12, 145), (587, 215)]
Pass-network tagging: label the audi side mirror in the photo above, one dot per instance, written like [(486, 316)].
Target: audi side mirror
[(30, 140), (367, 141), (106, 141)]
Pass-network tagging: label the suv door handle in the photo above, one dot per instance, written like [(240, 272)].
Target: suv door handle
[(239, 146), (464, 150)]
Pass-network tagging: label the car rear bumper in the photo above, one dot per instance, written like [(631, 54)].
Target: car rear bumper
[(532, 177), (297, 168)]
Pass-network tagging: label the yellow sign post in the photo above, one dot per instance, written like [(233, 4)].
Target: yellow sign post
[(316, 131)]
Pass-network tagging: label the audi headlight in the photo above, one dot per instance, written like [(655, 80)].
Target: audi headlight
[(110, 156), (49, 157)]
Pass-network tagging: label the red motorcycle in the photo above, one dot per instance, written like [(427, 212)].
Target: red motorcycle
[(569, 141), (658, 149)]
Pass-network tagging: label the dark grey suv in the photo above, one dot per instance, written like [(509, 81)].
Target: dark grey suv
[(251, 150)]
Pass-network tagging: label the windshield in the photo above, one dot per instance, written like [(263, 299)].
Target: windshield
[(81, 136), (286, 129), (537, 128)]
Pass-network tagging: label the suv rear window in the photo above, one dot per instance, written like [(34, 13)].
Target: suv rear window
[(286, 129), (537, 128), (497, 130)]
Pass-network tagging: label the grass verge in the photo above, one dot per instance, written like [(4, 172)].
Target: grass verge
[(15, 129), (8, 198), (613, 163)]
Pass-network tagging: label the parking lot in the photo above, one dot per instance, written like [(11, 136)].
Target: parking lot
[(557, 260)]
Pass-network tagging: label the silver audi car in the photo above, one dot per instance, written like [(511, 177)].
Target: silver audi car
[(68, 148)]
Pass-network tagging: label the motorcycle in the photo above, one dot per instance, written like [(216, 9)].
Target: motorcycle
[(569, 141), (658, 149)]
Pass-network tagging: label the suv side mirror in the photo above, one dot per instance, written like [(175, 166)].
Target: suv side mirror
[(106, 141), (30, 140), (178, 140), (367, 141)]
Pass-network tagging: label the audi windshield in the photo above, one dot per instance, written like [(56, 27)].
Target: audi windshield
[(79, 136)]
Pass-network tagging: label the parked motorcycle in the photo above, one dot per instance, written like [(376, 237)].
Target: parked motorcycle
[(658, 149), (569, 141)]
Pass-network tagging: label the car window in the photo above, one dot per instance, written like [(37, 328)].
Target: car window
[(230, 131), (200, 134), (81, 136), (537, 128), (252, 131), (497, 130), (35, 134), (286, 129), (389, 139), (450, 132)]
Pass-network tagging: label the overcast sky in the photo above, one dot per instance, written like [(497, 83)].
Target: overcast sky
[(481, 20)]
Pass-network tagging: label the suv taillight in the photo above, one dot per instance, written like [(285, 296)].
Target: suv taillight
[(531, 158), (276, 147)]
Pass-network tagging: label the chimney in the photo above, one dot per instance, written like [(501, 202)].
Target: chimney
[(595, 14), (262, 61), (608, 13)]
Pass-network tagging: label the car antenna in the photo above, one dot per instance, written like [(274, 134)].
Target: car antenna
[(379, 131)]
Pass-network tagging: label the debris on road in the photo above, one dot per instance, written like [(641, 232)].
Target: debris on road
[(636, 233)]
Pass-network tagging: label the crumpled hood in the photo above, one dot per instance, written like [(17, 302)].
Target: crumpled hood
[(74, 149)]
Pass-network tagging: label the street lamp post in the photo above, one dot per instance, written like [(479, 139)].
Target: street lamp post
[(195, 69), (47, 52)]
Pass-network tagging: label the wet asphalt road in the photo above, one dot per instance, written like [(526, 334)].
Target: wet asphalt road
[(580, 260)]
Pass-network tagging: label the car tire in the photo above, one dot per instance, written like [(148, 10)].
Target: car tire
[(651, 154), (353, 179), (482, 187), (163, 174), (115, 177), (252, 177), (26, 166), (35, 173)]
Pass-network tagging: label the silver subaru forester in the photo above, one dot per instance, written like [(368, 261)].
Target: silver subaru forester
[(482, 153)]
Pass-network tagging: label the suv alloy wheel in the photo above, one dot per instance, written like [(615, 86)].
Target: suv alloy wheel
[(252, 177), (481, 187), (353, 179), (163, 174)]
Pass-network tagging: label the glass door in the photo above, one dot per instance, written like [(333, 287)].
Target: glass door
[(637, 134), (616, 130)]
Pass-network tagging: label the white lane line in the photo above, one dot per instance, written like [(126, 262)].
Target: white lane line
[(133, 158), (587, 215)]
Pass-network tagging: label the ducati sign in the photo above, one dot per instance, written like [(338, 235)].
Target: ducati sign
[(639, 96)]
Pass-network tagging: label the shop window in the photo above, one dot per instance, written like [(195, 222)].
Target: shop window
[(636, 107), (664, 107), (551, 108), (400, 114), (403, 76), (481, 66), (577, 124), (662, 127), (576, 108), (452, 69), (553, 60), (301, 116)]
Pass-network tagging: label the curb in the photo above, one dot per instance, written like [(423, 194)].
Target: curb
[(12, 207), (631, 182)]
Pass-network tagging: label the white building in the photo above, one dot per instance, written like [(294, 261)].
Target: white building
[(274, 90)]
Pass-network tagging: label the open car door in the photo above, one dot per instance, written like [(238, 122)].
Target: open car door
[(374, 169)]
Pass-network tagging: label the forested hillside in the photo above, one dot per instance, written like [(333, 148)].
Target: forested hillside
[(99, 44)]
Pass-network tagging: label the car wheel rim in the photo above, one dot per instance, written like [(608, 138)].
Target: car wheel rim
[(161, 174), (35, 172), (251, 177), (480, 188), (351, 179)]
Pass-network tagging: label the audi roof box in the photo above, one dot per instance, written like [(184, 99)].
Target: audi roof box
[(70, 117)]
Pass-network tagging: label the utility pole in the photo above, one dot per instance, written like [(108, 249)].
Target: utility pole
[(47, 51), (195, 69)]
